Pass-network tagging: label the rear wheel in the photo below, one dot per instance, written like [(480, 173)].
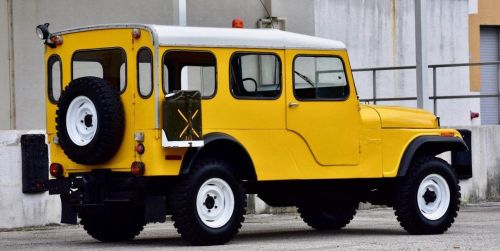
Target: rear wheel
[(428, 198), (331, 217), (208, 205), (115, 224)]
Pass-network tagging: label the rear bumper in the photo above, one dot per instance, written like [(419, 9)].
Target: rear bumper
[(102, 189)]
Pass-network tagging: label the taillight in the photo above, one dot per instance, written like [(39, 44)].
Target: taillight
[(139, 148), (56, 170), (137, 168)]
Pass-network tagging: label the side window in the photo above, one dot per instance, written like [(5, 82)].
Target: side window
[(145, 72), (255, 76), (319, 77), (108, 64), (189, 70), (54, 74)]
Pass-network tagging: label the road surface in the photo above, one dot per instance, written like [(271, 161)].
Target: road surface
[(476, 228)]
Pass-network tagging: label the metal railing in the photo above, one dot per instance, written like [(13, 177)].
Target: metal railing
[(434, 96)]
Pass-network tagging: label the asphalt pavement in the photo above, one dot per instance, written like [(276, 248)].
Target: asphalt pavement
[(476, 228)]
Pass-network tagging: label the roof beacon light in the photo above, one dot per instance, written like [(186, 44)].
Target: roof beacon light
[(238, 23)]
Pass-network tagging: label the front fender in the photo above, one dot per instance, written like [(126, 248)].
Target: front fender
[(429, 146)]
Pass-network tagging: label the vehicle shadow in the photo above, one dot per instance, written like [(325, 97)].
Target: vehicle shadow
[(248, 237)]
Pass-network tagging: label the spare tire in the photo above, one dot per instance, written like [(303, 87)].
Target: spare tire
[(90, 120)]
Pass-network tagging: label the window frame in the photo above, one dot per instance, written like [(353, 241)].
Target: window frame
[(49, 77), (103, 49), (145, 48), (165, 83), (348, 94), (256, 53)]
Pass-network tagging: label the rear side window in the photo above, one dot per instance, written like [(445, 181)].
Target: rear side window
[(255, 76), (145, 72), (319, 78), (108, 64), (54, 74), (190, 70)]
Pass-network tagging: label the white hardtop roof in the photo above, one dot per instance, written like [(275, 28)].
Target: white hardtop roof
[(166, 35)]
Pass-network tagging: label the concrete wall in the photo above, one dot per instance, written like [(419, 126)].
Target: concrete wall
[(299, 14), (485, 184), (18, 209), (382, 33), (4, 67), (220, 13)]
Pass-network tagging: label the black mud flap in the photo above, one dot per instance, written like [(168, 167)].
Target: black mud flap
[(35, 163), (462, 160), (68, 213)]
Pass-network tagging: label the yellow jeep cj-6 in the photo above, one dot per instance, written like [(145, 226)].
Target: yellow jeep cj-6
[(145, 121)]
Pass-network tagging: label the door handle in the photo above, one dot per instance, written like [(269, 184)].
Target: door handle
[(293, 104)]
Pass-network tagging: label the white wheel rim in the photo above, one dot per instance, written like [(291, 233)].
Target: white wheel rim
[(215, 203), (81, 120), (433, 197)]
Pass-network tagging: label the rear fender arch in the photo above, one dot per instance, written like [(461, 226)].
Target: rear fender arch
[(224, 146)]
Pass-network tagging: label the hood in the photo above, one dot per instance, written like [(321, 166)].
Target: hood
[(403, 117)]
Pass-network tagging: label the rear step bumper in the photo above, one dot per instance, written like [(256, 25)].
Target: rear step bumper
[(101, 190)]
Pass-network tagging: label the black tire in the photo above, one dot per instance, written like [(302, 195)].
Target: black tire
[(183, 201), (110, 117), (115, 224), (328, 217), (406, 205)]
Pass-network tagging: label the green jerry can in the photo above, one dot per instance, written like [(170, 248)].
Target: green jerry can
[(182, 119)]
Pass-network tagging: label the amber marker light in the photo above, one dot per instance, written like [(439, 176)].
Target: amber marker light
[(56, 170), (57, 40), (136, 33), (137, 168), (447, 134)]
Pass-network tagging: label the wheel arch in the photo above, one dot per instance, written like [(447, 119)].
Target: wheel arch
[(428, 146), (222, 146)]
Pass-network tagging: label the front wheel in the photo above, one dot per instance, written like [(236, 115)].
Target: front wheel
[(428, 198), (208, 204)]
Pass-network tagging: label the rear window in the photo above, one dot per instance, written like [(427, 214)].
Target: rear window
[(54, 74), (108, 64)]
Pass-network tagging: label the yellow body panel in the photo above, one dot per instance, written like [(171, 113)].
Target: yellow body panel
[(315, 140)]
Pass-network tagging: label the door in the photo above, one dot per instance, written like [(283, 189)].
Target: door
[(322, 106), (489, 47)]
